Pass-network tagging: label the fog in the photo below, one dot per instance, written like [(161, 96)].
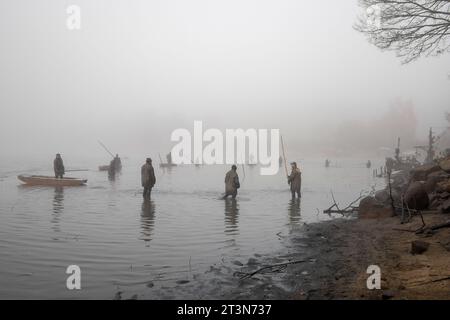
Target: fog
[(139, 69)]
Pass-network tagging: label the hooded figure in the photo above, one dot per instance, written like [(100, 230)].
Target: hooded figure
[(58, 166), (147, 177), (295, 180), (231, 183)]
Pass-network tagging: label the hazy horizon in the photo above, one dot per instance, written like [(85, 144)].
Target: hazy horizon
[(137, 71)]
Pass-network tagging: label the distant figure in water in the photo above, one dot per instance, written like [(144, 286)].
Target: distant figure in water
[(327, 163), (295, 180), (148, 178), (231, 183), (58, 166), (368, 164), (169, 158), (117, 163)]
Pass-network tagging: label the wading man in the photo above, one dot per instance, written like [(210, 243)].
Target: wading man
[(295, 180), (231, 183), (58, 166), (117, 163), (148, 178)]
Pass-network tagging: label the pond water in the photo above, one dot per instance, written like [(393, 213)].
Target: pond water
[(163, 248)]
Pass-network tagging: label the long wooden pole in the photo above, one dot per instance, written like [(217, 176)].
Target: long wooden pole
[(284, 156), (243, 170), (104, 147)]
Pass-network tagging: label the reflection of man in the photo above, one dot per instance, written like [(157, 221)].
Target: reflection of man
[(231, 183), (295, 180), (148, 178), (58, 166), (112, 170), (231, 215)]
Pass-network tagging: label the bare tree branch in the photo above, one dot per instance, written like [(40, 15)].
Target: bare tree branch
[(411, 28)]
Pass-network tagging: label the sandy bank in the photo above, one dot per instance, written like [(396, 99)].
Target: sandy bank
[(343, 249)]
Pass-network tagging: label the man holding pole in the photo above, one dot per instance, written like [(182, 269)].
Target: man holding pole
[(295, 180)]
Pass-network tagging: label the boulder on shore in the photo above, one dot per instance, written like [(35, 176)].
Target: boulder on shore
[(419, 247), (416, 197), (443, 186), (382, 196), (444, 206), (433, 179), (445, 165), (421, 173), (371, 208)]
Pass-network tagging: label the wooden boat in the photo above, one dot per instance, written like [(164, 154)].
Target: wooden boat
[(51, 181), (103, 168)]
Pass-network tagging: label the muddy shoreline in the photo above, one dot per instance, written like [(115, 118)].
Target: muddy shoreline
[(335, 256)]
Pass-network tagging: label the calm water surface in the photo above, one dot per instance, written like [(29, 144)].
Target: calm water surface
[(168, 247)]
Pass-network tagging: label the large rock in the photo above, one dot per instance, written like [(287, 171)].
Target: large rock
[(382, 196), (421, 173), (445, 165), (419, 247), (416, 197), (444, 206), (371, 208), (443, 186), (433, 179)]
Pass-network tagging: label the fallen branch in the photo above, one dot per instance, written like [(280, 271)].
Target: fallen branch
[(405, 230), (347, 210), (332, 195), (440, 225), (277, 268), (436, 227), (431, 281)]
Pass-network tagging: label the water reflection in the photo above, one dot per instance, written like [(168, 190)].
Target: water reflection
[(147, 220), (294, 211), (231, 216), (112, 176), (58, 207)]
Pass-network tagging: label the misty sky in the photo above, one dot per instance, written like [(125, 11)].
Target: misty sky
[(139, 69)]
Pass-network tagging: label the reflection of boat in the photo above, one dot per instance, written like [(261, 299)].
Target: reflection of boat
[(51, 181), (167, 165), (103, 168)]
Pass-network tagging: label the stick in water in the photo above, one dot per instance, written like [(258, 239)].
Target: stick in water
[(284, 156)]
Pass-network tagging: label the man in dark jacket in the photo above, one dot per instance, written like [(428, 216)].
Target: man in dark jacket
[(295, 180), (148, 178), (231, 183), (58, 166)]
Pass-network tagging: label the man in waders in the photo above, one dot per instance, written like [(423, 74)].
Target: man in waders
[(147, 178), (295, 180), (231, 183)]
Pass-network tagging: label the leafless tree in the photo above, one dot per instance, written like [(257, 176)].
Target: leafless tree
[(411, 28)]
